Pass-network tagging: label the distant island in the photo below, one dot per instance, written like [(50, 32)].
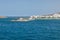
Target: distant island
[(2, 16), (49, 16)]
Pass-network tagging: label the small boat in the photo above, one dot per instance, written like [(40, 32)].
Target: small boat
[(25, 19), (21, 19)]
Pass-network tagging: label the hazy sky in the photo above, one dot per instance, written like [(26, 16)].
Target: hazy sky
[(28, 7)]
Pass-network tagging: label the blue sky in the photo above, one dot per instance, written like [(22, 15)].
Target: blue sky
[(28, 7)]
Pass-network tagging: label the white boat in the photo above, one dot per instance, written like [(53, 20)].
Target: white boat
[(21, 19), (26, 19)]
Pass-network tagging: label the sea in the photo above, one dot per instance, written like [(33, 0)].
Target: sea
[(39, 29)]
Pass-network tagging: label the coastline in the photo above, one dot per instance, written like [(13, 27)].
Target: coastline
[(43, 17)]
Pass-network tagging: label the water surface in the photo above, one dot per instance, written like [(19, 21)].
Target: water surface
[(31, 30)]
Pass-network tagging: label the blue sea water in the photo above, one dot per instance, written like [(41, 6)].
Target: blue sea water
[(31, 30)]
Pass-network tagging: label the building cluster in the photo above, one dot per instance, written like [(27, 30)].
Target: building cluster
[(56, 15)]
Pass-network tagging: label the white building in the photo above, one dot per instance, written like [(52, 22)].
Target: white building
[(56, 15)]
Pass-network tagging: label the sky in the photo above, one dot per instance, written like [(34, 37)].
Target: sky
[(28, 7)]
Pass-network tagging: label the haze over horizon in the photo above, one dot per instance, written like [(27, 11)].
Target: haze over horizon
[(28, 7)]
